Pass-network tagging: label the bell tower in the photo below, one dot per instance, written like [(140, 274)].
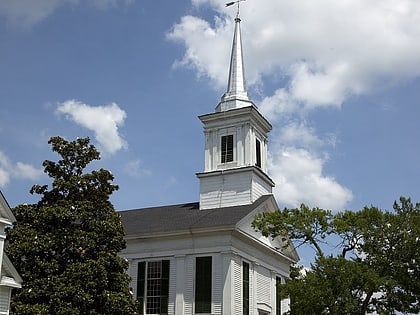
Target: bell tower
[(236, 137)]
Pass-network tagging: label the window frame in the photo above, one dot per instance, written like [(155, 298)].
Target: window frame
[(227, 149), (161, 286)]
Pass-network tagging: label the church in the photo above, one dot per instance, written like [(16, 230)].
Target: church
[(204, 257)]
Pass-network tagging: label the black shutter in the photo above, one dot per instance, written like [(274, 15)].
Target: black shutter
[(141, 273), (164, 288), (258, 152), (203, 275), (245, 288)]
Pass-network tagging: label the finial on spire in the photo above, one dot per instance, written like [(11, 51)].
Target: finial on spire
[(236, 95), (232, 3)]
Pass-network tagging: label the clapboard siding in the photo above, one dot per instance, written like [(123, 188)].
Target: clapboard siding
[(232, 189), (259, 187), (4, 300), (225, 190), (237, 283), (189, 284), (172, 287), (217, 285), (264, 286)]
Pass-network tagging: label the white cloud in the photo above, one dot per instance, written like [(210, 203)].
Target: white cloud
[(23, 170), (9, 170), (104, 121), (29, 12), (135, 168), (320, 53), (299, 179), (205, 47), (329, 50)]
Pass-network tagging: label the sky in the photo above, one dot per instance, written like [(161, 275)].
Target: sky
[(338, 80)]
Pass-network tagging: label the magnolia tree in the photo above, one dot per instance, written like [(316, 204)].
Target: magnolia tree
[(375, 265), (66, 246)]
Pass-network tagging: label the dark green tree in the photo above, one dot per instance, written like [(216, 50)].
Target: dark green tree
[(66, 246), (375, 265)]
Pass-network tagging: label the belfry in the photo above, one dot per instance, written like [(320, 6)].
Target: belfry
[(236, 137), (204, 257)]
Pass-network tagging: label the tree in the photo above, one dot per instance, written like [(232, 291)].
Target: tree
[(66, 246), (376, 266)]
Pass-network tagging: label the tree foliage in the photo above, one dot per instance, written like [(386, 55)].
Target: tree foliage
[(66, 246), (376, 266)]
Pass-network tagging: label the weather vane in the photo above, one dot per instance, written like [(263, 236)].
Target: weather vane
[(233, 2)]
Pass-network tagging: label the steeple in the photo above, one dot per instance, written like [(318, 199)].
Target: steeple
[(236, 138), (236, 95)]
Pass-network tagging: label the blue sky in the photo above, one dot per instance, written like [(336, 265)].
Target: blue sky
[(339, 81)]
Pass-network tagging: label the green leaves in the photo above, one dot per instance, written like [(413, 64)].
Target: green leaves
[(374, 267), (66, 246), (302, 225)]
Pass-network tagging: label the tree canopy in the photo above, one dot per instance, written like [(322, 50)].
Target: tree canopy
[(66, 246), (375, 265)]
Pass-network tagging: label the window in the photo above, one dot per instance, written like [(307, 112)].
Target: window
[(203, 275), (153, 287), (278, 297), (258, 152), (245, 288), (227, 149)]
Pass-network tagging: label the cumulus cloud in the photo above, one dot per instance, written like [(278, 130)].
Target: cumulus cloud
[(320, 54), (328, 50), (299, 179), (9, 170), (26, 13), (104, 121)]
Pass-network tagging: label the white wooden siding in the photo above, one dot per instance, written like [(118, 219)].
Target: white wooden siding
[(172, 287), (259, 187), (225, 190), (217, 285), (232, 189), (4, 300), (264, 285), (189, 284), (237, 283)]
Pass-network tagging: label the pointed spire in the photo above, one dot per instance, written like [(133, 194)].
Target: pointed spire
[(236, 95)]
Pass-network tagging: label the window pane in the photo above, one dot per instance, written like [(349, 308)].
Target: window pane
[(227, 149), (153, 287), (203, 275), (154, 272)]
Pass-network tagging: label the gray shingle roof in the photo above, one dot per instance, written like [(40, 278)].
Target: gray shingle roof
[(182, 217)]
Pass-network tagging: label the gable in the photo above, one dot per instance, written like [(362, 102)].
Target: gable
[(9, 276), (277, 244), (6, 214)]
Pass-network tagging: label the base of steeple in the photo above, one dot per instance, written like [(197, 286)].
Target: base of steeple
[(233, 103), (233, 187)]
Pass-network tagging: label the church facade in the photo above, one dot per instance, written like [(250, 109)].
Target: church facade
[(205, 257)]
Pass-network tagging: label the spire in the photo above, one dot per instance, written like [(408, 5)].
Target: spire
[(236, 95)]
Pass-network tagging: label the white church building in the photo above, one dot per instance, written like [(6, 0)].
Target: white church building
[(204, 257)]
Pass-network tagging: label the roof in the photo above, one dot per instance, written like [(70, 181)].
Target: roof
[(9, 276), (5, 211), (183, 217)]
